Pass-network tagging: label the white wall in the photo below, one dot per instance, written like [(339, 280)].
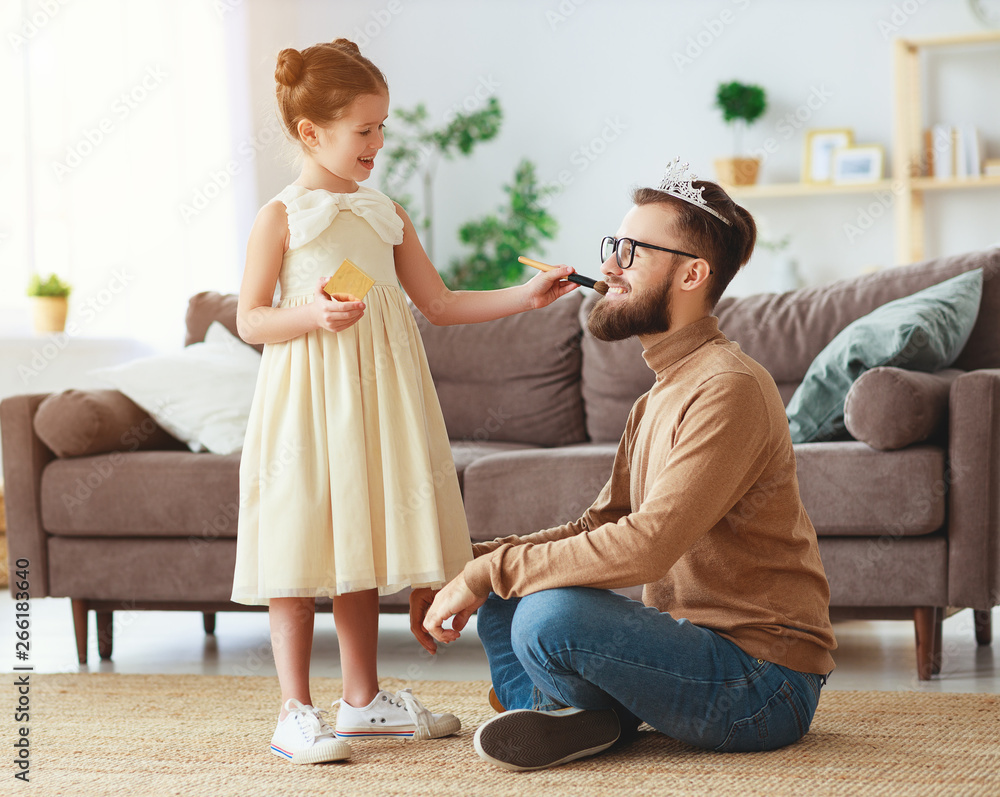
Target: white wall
[(606, 92)]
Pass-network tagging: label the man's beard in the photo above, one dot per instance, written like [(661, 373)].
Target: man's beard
[(647, 313)]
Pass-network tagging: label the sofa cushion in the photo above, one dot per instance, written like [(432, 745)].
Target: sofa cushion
[(79, 423), (206, 307), (504, 493), (849, 488), (132, 571), (95, 496), (922, 332), (465, 452), (145, 493), (785, 332), (887, 571), (891, 408), (201, 394), (515, 380), (614, 376)]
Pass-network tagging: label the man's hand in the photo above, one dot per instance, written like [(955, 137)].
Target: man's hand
[(420, 602), (454, 600)]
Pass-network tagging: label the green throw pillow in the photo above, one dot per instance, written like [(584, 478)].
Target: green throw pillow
[(922, 332)]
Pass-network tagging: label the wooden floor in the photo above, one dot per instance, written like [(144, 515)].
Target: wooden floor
[(872, 655)]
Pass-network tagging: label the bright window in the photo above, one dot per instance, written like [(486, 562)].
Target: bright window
[(115, 155)]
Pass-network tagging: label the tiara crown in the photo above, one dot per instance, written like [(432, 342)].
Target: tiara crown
[(676, 184)]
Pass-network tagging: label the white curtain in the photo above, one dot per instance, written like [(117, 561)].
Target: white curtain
[(120, 152)]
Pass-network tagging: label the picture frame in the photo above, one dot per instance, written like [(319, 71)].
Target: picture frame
[(862, 164), (819, 149)]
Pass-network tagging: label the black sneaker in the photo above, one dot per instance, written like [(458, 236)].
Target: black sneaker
[(525, 739)]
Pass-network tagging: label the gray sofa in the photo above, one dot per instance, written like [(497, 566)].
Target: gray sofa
[(535, 407)]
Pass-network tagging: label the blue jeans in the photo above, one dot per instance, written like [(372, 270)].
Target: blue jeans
[(595, 649)]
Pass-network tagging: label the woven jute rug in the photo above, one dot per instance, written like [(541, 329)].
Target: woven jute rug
[(106, 734)]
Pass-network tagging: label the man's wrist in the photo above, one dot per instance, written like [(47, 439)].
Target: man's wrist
[(477, 576)]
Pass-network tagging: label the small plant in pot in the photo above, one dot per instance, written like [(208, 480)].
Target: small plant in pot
[(741, 105), (50, 303)]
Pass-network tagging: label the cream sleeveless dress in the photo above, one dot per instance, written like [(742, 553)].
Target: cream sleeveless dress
[(347, 481)]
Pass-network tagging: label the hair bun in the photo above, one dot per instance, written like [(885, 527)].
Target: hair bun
[(346, 45), (290, 67)]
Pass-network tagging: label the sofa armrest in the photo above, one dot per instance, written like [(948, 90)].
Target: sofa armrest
[(24, 458), (974, 490)]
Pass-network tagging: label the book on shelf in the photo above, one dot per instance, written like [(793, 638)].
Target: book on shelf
[(953, 151)]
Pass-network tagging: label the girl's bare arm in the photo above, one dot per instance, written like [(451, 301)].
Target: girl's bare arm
[(444, 307)]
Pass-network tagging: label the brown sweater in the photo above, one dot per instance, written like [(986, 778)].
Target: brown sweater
[(702, 508)]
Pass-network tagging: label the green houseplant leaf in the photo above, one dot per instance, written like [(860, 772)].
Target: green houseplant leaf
[(52, 286), (741, 104), (497, 240)]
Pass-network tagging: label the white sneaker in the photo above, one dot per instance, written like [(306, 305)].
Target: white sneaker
[(400, 715), (304, 737)]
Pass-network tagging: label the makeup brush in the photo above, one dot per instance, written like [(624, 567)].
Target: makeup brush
[(600, 286)]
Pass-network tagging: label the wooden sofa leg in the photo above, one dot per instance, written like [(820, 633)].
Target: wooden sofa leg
[(984, 626), (105, 633), (80, 627), (927, 622), (208, 618)]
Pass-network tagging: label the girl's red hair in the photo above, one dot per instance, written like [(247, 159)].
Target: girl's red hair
[(321, 81)]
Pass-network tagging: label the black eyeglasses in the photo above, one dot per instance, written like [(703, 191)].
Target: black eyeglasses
[(624, 249)]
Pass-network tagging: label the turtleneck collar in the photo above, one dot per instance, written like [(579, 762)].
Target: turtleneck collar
[(664, 350)]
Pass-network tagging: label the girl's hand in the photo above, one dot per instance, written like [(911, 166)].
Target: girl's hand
[(547, 286), (338, 312)]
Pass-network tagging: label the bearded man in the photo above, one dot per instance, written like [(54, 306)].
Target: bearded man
[(730, 646)]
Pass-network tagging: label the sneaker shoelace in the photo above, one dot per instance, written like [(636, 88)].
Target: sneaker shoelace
[(311, 722), (421, 717)]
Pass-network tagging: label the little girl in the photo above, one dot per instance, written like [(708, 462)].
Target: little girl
[(347, 484)]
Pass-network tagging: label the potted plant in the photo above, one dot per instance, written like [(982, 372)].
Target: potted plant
[(49, 299), (741, 105), (517, 228)]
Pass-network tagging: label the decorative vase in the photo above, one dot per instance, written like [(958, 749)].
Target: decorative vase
[(737, 171), (49, 313)]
